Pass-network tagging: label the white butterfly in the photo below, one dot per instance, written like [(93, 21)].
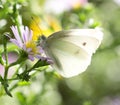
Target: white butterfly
[(71, 50)]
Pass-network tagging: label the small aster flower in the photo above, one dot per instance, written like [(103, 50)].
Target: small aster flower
[(24, 40), (12, 57)]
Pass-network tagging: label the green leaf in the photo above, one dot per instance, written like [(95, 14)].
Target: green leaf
[(41, 63), (23, 83)]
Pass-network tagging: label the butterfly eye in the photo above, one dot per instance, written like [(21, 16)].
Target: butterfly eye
[(43, 37)]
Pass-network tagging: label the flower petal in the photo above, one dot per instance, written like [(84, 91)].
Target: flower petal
[(31, 57), (16, 42), (16, 34), (30, 35)]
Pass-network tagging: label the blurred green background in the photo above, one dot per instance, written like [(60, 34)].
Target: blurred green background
[(100, 83)]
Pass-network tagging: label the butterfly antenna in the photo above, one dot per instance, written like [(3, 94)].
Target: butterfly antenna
[(37, 25)]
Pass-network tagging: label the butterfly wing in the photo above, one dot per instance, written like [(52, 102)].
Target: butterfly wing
[(71, 50)]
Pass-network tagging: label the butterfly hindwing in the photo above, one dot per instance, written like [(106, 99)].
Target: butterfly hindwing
[(71, 50), (69, 59)]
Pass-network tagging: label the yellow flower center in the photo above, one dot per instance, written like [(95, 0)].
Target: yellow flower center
[(32, 46)]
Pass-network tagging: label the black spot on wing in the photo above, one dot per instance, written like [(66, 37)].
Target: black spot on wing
[(84, 43)]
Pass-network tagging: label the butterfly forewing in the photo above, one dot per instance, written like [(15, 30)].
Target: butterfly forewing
[(88, 39), (88, 43)]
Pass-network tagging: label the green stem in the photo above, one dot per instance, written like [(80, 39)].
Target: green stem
[(39, 63), (6, 73), (6, 59), (1, 60), (13, 79), (5, 82), (13, 87), (34, 66)]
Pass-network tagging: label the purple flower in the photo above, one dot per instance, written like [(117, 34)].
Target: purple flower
[(12, 57), (24, 40)]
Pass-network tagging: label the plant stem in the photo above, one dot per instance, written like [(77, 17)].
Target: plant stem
[(6, 59)]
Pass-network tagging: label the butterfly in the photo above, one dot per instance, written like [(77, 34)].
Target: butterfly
[(71, 50)]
